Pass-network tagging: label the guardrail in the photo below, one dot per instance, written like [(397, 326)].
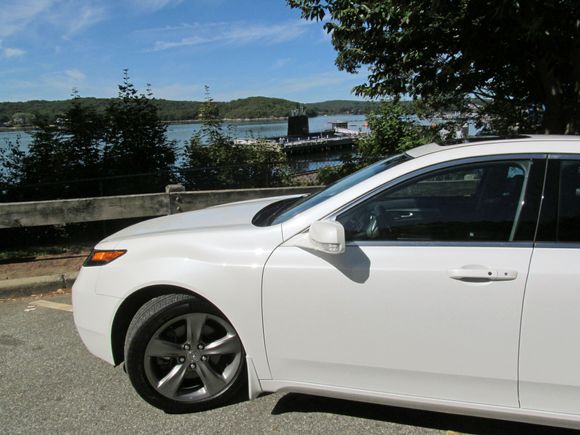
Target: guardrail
[(67, 211)]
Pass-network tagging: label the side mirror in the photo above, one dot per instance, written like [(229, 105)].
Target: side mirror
[(328, 237)]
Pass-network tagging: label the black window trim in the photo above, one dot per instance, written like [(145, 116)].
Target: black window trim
[(564, 156), (422, 171), (554, 244), (428, 243), (557, 245)]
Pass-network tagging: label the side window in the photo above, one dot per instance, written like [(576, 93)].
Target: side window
[(568, 225), (474, 202)]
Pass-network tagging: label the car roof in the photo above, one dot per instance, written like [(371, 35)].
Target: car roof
[(431, 148)]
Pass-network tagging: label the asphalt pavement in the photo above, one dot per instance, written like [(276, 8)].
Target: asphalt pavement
[(49, 383)]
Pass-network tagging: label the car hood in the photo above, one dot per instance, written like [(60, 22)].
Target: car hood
[(222, 216)]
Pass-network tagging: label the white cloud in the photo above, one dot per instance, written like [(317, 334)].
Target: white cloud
[(75, 74), (85, 16), (154, 5), (178, 91), (55, 86), (308, 88), (193, 40), (12, 52), (227, 33), (317, 81), (63, 81), (281, 63), (17, 14), (67, 16)]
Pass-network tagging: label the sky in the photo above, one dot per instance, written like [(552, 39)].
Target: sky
[(239, 48)]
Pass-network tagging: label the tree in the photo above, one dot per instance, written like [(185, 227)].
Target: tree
[(392, 130), (41, 169), (209, 113), (520, 59), (22, 119), (136, 141), (82, 139), (61, 153), (207, 149), (11, 163), (215, 160)]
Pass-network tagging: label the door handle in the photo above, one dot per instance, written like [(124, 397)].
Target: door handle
[(482, 274)]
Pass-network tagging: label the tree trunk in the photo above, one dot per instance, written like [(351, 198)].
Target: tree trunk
[(573, 123), (553, 120)]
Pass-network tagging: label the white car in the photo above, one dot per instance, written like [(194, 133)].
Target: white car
[(445, 278)]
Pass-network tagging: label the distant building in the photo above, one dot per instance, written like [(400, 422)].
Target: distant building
[(339, 124)]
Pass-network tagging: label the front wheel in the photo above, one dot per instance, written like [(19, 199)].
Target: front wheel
[(182, 355)]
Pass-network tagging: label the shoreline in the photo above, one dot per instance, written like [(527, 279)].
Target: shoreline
[(197, 121), (29, 128), (24, 129)]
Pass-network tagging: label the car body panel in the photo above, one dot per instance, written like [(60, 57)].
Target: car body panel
[(391, 319), (218, 217), (550, 356), (93, 313), (534, 416), (189, 251)]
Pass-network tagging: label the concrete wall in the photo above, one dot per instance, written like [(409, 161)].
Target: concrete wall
[(65, 211)]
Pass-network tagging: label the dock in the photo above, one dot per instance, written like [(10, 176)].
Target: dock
[(304, 146), (300, 141)]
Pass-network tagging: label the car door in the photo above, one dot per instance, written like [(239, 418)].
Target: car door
[(427, 298), (550, 345)]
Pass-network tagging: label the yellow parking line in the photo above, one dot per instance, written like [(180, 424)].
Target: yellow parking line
[(53, 305)]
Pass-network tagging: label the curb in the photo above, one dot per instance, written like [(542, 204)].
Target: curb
[(11, 288)]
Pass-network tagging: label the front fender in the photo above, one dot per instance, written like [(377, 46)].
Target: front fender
[(232, 283)]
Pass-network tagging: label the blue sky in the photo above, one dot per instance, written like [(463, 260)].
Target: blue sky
[(239, 48)]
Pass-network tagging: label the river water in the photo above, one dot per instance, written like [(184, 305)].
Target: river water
[(182, 133)]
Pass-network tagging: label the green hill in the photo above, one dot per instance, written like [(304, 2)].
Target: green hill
[(257, 107), (335, 107), (21, 113)]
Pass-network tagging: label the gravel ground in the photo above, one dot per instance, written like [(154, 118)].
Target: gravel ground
[(42, 265), (51, 384)]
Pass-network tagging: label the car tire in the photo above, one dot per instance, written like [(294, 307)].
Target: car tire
[(182, 355)]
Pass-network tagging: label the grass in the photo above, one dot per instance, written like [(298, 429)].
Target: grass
[(33, 252)]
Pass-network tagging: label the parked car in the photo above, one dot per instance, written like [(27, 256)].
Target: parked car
[(445, 278)]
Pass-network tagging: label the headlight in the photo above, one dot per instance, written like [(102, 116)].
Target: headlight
[(100, 258)]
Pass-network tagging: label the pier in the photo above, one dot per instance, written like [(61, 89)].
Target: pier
[(317, 144), (320, 142)]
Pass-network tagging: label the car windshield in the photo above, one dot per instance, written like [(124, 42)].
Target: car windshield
[(339, 186)]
